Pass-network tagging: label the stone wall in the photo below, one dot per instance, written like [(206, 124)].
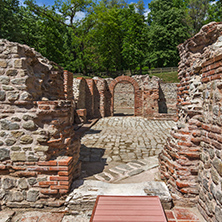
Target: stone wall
[(191, 161), (167, 98), (38, 149), (124, 98), (141, 95)]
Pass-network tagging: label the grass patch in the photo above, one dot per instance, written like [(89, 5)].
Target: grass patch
[(85, 77), (167, 77)]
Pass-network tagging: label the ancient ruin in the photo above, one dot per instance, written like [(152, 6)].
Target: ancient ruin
[(137, 95), (40, 105), (38, 149), (191, 162)]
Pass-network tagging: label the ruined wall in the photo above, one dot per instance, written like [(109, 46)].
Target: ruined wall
[(124, 98), (138, 95), (168, 98), (191, 161), (38, 149), (150, 94)]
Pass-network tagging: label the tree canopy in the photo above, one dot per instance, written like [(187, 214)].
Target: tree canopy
[(108, 35)]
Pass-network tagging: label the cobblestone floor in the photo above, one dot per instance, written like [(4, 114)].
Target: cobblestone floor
[(124, 139)]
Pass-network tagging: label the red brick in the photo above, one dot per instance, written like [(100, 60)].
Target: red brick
[(181, 184), (48, 192), (205, 127), (63, 173), (18, 168), (59, 187), (3, 167), (63, 191), (47, 163), (26, 174), (64, 183), (36, 168), (58, 168), (48, 183), (65, 162), (207, 79), (56, 178)]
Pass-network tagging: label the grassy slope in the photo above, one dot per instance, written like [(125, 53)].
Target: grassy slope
[(168, 77)]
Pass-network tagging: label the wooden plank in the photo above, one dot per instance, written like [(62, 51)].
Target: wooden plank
[(129, 219), (127, 209), (147, 203), (128, 213)]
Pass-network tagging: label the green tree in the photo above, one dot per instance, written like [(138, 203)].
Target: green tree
[(135, 38), (10, 20), (197, 14), (215, 11), (167, 29)]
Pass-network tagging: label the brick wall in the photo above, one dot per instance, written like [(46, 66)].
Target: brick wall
[(38, 149), (191, 161), (140, 93)]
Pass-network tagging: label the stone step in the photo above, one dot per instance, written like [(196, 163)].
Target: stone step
[(84, 196)]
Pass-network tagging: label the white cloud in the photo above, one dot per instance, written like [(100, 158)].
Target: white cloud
[(80, 15), (147, 11)]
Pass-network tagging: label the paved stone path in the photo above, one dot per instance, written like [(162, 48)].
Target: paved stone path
[(121, 147), (124, 139)]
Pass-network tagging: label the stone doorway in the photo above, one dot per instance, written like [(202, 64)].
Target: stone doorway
[(124, 99), (136, 92)]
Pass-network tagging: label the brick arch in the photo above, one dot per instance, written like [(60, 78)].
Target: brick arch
[(137, 93)]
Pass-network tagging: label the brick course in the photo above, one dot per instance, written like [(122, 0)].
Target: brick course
[(191, 160), (37, 139)]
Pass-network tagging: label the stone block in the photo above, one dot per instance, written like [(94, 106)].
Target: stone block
[(18, 156), (32, 195), (19, 64), (26, 139), (10, 141), (8, 183), (4, 80), (16, 196), (18, 81), (4, 154), (218, 166), (41, 148), (214, 176), (25, 96), (22, 183), (15, 148), (27, 117), (17, 134), (3, 63), (12, 96), (29, 125), (8, 125), (32, 181), (8, 88), (2, 95), (11, 72), (218, 213)]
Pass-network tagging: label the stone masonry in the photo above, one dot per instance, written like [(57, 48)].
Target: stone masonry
[(137, 95), (191, 162), (38, 149)]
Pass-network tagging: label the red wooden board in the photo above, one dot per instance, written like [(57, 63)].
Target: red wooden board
[(128, 209)]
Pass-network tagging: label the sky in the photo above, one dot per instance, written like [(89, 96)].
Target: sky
[(51, 2), (81, 15)]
